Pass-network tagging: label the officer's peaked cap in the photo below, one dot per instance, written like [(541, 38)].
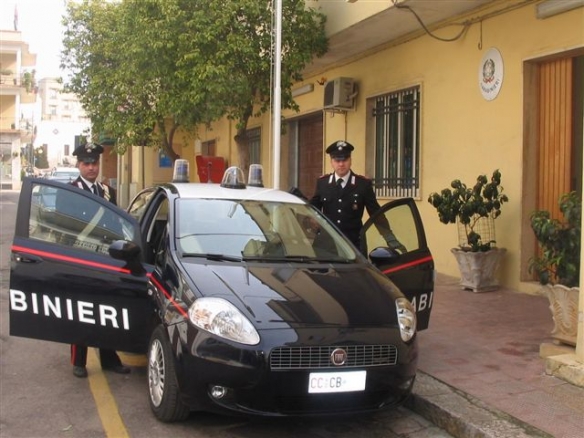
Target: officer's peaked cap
[(340, 149), (88, 153)]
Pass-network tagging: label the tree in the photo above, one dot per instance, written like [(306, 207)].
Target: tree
[(40, 157), (123, 66), (239, 41), (144, 68)]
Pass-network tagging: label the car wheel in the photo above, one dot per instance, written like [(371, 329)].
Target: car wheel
[(163, 389)]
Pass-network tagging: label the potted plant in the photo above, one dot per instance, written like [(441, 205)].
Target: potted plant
[(557, 265), (29, 81), (474, 209)]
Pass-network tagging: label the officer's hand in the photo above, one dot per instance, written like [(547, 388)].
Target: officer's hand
[(296, 192), (393, 243)]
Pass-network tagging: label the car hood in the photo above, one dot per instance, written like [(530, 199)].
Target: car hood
[(278, 296)]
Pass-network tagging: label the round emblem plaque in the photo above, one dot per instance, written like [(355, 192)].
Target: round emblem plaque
[(491, 74)]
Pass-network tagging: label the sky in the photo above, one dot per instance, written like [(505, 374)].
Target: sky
[(40, 24)]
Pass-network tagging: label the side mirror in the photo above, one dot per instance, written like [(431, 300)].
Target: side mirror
[(383, 256), (128, 252), (124, 250)]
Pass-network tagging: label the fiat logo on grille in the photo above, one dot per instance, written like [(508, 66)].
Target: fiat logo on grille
[(339, 357)]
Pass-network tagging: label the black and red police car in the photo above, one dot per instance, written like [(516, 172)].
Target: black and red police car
[(244, 299)]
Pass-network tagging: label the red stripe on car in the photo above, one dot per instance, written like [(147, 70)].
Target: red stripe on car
[(69, 259), (168, 295), (408, 265)]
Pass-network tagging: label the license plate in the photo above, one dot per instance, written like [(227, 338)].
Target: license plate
[(336, 382)]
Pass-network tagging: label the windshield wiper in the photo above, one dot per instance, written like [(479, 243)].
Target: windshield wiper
[(296, 258), (210, 256)]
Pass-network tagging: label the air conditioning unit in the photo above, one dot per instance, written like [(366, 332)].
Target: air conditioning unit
[(339, 93)]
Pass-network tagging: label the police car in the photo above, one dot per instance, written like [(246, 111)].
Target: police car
[(244, 299)]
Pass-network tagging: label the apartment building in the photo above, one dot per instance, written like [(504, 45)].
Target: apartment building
[(59, 119), (17, 88)]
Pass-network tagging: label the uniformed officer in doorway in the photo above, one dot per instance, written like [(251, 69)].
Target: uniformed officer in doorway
[(343, 195), (88, 164)]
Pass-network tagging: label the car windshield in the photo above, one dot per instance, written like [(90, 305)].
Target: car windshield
[(258, 230)]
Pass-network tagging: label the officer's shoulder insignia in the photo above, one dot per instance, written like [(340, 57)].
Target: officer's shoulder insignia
[(324, 176), (362, 177)]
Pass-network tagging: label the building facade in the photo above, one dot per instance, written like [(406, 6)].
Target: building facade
[(59, 121), (429, 92), (17, 88)]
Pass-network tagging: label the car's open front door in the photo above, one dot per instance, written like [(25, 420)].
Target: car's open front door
[(396, 234), (64, 284)]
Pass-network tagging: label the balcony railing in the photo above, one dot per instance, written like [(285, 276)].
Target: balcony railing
[(10, 80)]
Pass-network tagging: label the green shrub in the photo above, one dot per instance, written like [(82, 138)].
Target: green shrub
[(559, 243), (467, 205)]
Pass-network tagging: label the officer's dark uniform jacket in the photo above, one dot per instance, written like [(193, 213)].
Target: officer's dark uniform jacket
[(103, 190), (345, 206)]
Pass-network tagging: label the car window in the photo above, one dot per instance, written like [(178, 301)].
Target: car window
[(403, 234), (156, 232), (257, 229), (72, 219), (138, 205)]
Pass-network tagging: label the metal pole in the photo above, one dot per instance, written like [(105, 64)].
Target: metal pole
[(277, 111)]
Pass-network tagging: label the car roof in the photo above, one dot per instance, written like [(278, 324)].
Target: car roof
[(216, 191), (66, 169)]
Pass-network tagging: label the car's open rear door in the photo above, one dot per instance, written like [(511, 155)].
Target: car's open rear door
[(64, 285), (398, 225)]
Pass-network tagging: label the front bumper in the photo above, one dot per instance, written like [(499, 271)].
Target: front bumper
[(250, 385)]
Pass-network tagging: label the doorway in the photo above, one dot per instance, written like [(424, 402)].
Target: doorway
[(306, 152), (553, 139)]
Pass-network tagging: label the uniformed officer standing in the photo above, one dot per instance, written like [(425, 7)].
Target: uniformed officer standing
[(343, 195), (88, 165)]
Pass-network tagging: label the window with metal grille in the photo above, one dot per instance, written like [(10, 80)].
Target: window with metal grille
[(397, 144), (253, 143)]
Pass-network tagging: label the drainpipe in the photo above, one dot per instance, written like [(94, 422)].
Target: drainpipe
[(580, 319)]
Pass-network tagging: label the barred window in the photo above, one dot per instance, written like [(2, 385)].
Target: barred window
[(397, 144), (253, 143)]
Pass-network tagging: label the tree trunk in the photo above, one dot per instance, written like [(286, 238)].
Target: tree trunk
[(167, 139), (242, 150)]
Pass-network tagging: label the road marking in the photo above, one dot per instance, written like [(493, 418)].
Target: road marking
[(133, 360), (107, 407)]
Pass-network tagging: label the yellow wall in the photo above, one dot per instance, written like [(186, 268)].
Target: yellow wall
[(7, 112), (342, 14), (463, 135)]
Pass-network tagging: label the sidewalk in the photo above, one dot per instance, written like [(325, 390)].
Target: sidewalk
[(480, 369)]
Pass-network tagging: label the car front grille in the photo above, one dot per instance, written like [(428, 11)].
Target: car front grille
[(297, 358)]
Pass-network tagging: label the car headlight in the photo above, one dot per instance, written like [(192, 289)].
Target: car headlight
[(220, 317), (406, 318)]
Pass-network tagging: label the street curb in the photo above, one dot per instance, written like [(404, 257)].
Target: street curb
[(463, 415)]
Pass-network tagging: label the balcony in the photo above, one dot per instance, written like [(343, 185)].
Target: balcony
[(12, 85)]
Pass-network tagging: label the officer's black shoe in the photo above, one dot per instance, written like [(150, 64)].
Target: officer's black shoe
[(79, 371), (119, 369)]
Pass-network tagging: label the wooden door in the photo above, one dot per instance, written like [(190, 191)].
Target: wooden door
[(310, 153), (555, 175)]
